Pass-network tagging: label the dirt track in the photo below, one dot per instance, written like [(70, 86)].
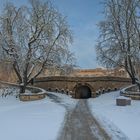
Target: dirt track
[(81, 125)]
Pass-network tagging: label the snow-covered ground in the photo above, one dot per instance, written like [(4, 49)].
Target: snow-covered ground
[(36, 120), (44, 119), (119, 121)]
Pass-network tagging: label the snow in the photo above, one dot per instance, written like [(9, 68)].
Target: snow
[(66, 100), (36, 120), (124, 89), (119, 121), (122, 97), (44, 119)]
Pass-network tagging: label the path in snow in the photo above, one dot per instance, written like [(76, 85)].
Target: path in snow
[(81, 125)]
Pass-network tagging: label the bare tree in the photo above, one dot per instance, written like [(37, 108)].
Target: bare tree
[(119, 40), (65, 63), (68, 63), (33, 37)]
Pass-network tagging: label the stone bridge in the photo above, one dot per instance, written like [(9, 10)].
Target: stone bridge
[(81, 87)]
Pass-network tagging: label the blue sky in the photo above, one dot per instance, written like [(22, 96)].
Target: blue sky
[(83, 17)]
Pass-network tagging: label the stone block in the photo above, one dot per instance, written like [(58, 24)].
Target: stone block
[(123, 101)]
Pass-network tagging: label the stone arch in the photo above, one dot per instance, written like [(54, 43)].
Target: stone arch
[(83, 91)]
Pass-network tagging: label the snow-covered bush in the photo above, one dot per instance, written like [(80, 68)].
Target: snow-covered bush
[(13, 91), (9, 91)]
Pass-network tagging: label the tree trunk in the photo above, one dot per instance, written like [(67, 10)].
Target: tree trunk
[(130, 69), (133, 80), (22, 88)]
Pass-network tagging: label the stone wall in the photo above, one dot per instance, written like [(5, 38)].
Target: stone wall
[(69, 84), (32, 97), (131, 92)]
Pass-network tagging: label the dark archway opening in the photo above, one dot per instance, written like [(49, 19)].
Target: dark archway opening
[(82, 92)]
